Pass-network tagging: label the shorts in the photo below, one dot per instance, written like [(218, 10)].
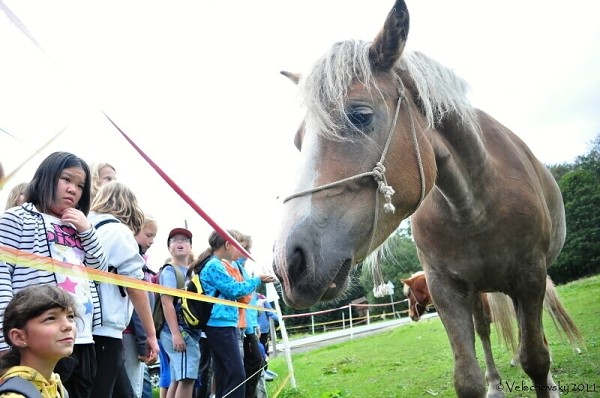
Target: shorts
[(183, 365)]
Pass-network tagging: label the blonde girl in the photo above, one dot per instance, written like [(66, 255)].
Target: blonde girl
[(102, 173), (16, 196), (117, 217)]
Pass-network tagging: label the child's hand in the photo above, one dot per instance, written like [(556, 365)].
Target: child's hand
[(267, 278), (77, 219)]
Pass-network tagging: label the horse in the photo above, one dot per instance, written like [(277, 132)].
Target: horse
[(389, 134)]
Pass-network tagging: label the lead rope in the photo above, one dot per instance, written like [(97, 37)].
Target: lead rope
[(378, 173)]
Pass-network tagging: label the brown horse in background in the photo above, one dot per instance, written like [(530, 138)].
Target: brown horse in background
[(390, 134), (497, 308), (416, 291)]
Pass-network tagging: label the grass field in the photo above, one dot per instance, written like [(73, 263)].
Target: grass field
[(416, 360)]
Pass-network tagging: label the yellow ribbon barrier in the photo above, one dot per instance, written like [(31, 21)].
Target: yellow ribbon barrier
[(36, 261)]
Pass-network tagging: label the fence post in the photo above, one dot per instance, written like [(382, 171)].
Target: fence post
[(273, 332), (350, 319), (312, 322)]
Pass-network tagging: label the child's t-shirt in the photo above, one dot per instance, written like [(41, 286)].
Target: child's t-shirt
[(65, 246)]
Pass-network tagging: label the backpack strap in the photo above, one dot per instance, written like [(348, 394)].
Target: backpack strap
[(178, 275), (111, 268), (107, 221), (21, 386)]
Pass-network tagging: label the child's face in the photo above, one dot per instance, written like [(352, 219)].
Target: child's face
[(145, 238), (68, 190), (106, 175), (49, 336)]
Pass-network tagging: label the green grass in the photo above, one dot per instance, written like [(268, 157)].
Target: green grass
[(416, 360)]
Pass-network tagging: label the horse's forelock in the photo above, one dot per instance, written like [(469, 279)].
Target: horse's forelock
[(440, 91), (325, 87)]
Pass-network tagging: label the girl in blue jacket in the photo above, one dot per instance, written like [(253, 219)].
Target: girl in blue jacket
[(221, 330)]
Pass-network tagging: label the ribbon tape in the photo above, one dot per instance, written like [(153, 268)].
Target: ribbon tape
[(36, 261)]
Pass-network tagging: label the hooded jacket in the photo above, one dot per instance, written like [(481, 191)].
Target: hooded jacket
[(124, 259), (52, 388), (214, 276)]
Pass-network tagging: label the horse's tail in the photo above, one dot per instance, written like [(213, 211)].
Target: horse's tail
[(561, 319), (502, 314)]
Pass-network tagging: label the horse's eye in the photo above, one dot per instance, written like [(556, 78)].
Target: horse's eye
[(360, 116)]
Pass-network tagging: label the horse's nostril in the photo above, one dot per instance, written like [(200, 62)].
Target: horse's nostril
[(296, 263)]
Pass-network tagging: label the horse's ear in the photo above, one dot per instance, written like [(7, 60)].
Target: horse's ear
[(389, 43), (295, 77), (407, 282)]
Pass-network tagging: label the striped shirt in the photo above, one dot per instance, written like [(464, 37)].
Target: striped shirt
[(27, 230)]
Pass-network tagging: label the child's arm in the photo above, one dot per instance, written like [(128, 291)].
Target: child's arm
[(94, 253), (169, 310), (227, 284), (139, 299)]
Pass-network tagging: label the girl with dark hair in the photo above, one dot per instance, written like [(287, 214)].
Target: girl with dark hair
[(40, 329), (53, 223)]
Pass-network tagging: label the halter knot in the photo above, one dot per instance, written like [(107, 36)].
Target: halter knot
[(383, 187)]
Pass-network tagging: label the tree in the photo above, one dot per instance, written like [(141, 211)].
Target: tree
[(580, 188)]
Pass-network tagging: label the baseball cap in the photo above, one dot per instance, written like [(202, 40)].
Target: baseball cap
[(179, 231)]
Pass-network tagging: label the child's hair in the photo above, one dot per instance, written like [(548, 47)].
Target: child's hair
[(245, 240), (119, 200), (25, 305), (148, 219), (41, 191), (96, 167), (13, 195), (215, 241)]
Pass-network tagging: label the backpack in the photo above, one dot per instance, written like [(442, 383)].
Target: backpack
[(196, 313), (21, 386), (157, 312)]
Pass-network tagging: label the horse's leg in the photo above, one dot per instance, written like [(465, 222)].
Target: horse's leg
[(482, 327), (455, 310), (533, 353)]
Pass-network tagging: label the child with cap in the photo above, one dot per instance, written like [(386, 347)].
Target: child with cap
[(180, 343)]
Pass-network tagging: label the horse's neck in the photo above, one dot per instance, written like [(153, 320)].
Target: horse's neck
[(461, 162)]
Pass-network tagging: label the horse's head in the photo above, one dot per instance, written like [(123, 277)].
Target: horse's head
[(417, 293), (362, 171)]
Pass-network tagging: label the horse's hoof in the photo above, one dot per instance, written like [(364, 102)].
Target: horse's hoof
[(494, 393)]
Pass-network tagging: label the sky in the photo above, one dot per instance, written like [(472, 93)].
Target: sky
[(196, 85)]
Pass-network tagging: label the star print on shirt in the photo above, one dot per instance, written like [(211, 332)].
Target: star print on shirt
[(89, 307), (68, 285)]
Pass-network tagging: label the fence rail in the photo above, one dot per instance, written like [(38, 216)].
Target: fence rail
[(346, 320)]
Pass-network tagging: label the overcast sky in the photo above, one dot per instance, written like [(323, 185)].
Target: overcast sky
[(208, 72)]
